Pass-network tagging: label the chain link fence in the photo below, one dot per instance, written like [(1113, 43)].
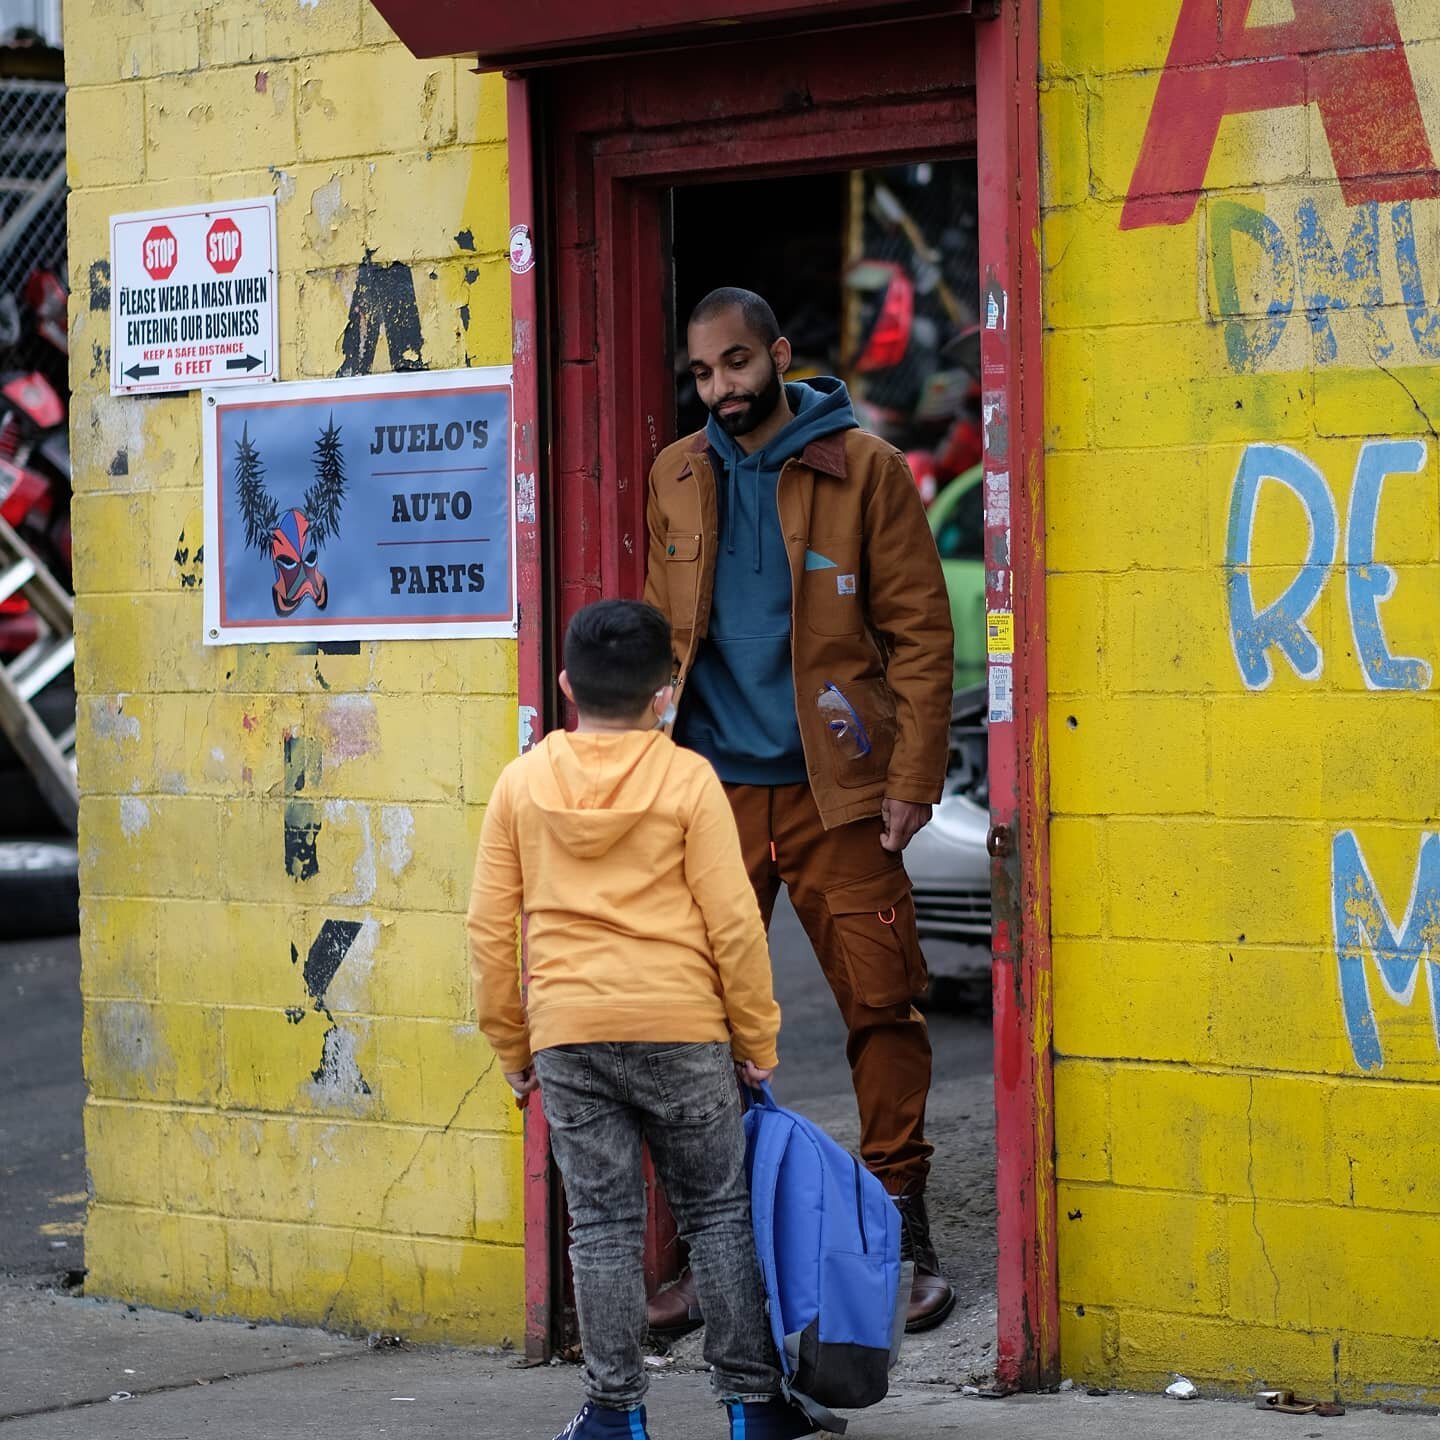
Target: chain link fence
[(32, 189)]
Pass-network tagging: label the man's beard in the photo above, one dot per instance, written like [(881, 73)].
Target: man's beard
[(758, 407)]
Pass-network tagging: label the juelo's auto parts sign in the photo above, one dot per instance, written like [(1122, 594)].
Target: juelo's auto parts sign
[(193, 297)]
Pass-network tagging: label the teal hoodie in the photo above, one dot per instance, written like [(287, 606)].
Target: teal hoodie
[(739, 702)]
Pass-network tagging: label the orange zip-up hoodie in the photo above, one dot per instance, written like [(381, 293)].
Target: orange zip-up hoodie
[(621, 851)]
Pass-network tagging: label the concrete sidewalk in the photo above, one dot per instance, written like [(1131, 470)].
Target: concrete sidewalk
[(62, 1357)]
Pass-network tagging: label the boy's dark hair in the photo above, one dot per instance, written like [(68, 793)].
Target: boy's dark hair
[(617, 655), (759, 317)]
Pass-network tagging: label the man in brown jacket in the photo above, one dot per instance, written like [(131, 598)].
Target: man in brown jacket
[(791, 553)]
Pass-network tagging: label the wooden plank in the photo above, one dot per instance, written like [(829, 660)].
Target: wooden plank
[(47, 596), (43, 758), (46, 761)]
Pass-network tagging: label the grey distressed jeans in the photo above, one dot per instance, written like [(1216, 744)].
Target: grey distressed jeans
[(601, 1100)]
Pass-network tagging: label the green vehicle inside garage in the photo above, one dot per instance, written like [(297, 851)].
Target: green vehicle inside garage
[(957, 521)]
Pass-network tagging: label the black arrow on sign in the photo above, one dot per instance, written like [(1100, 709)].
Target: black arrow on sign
[(136, 372), (247, 364)]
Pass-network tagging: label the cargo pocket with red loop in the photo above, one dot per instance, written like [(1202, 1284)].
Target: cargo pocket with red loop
[(874, 918)]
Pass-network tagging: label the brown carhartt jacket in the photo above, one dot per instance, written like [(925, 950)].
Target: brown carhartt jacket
[(876, 625)]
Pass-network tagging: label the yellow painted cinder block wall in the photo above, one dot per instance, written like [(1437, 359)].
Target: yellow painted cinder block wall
[(245, 809), (1246, 869)]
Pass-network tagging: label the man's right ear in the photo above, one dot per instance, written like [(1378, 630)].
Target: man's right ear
[(565, 687)]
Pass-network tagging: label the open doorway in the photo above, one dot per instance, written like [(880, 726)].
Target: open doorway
[(873, 274), (617, 147)]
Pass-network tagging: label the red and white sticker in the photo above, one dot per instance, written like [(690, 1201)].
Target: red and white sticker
[(522, 250)]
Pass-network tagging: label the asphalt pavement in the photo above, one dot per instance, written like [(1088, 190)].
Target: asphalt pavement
[(42, 1097)]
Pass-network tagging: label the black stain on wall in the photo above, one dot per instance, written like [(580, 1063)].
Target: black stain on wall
[(466, 240), (120, 463), (100, 285), (328, 950), (302, 815), (191, 568), (338, 1071), (384, 300), (328, 647)]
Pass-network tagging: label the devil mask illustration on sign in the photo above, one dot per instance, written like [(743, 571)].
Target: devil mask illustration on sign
[(293, 538)]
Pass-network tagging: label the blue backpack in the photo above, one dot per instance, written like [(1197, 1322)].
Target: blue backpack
[(828, 1239)]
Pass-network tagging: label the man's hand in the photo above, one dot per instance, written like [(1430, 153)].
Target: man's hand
[(524, 1083), (747, 1072), (902, 819)]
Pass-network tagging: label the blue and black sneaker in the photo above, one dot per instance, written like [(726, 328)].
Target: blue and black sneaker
[(596, 1422), (767, 1420)]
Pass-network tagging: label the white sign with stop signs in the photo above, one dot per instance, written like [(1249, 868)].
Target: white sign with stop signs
[(192, 298)]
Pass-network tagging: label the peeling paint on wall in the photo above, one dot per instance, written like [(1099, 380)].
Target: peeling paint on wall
[(134, 816), (363, 870), (397, 832), (350, 987), (108, 720), (352, 728), (302, 815), (130, 1042), (337, 1078)]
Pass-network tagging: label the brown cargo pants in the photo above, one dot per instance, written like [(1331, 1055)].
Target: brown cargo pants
[(853, 898)]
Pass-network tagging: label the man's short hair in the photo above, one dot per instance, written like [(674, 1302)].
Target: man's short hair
[(617, 655), (759, 317)]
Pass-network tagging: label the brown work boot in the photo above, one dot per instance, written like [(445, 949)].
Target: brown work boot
[(932, 1297), (675, 1311)]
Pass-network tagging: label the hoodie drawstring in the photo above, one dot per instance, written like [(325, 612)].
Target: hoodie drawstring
[(756, 512), (730, 495)]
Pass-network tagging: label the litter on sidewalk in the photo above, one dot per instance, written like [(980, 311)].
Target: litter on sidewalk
[(1287, 1402)]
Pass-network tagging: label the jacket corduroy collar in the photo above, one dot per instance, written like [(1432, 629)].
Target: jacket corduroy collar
[(825, 455)]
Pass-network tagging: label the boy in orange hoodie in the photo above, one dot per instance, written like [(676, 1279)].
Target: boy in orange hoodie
[(649, 989)]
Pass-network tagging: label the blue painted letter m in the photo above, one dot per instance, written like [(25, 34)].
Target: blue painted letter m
[(1363, 924)]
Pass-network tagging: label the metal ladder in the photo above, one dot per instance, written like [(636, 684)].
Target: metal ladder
[(50, 759)]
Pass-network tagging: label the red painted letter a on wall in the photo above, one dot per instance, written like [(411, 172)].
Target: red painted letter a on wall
[(1345, 55)]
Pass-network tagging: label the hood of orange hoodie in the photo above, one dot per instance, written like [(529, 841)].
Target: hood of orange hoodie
[(594, 788)]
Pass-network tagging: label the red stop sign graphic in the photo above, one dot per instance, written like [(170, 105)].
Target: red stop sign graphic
[(222, 245), (159, 252)]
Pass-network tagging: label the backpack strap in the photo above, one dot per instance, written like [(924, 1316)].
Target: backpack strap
[(770, 1146), (818, 1415)]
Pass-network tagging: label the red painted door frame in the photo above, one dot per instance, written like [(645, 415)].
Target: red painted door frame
[(530, 679), (1012, 393), (615, 140)]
